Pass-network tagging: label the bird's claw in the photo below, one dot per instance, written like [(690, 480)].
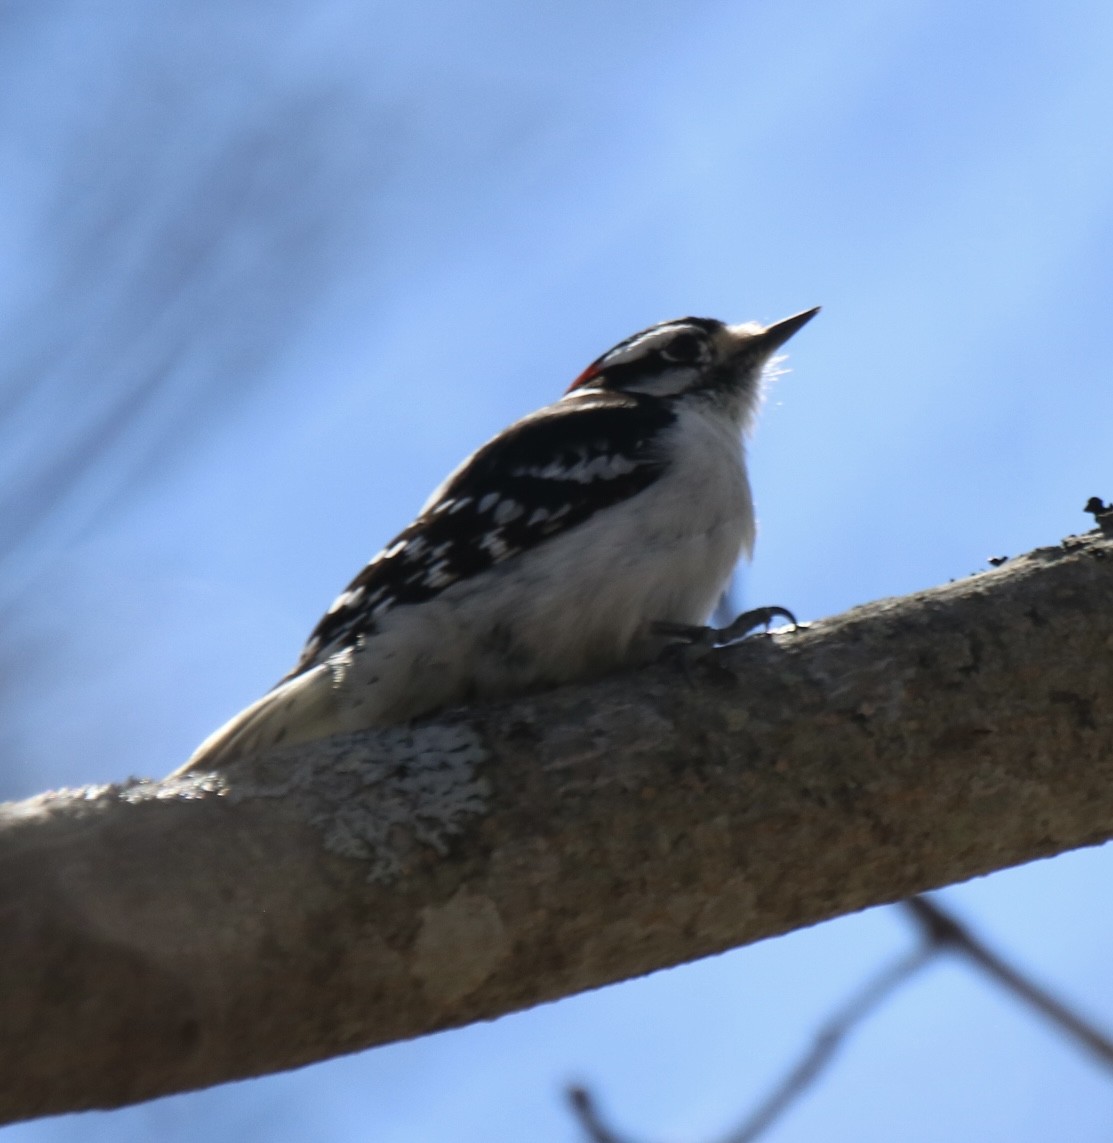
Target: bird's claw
[(707, 638)]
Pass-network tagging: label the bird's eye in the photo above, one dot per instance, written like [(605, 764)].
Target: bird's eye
[(684, 349)]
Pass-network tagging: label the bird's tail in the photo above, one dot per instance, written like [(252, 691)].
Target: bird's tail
[(298, 710)]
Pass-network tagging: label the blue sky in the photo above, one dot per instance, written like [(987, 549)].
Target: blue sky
[(288, 262)]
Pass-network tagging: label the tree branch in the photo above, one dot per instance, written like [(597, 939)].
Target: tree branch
[(803, 1074), (945, 930), (162, 936)]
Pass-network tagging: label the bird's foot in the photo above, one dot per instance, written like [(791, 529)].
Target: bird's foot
[(704, 639)]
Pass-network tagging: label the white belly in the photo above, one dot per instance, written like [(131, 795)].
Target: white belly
[(578, 605)]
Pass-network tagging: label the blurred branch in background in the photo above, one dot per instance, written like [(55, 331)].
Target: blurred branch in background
[(193, 201), (191, 228), (940, 931)]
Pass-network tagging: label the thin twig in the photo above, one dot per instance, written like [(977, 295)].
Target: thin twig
[(945, 930), (939, 931), (829, 1039), (583, 1106), (823, 1048)]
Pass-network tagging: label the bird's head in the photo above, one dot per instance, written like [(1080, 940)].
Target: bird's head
[(692, 355)]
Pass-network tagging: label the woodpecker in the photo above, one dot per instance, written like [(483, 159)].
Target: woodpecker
[(581, 539)]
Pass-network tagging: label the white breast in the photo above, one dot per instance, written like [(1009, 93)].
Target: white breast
[(577, 605), (581, 603)]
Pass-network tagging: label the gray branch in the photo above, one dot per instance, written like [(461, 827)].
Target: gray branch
[(163, 936)]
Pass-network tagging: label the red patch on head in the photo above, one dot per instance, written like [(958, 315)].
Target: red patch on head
[(585, 378)]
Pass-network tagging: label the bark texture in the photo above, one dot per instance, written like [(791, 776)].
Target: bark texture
[(162, 936)]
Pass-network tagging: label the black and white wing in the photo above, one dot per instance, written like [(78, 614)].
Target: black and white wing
[(539, 478)]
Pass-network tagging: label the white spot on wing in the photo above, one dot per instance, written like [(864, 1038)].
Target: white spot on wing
[(584, 471), (345, 599), (494, 543), (507, 511), (438, 575)]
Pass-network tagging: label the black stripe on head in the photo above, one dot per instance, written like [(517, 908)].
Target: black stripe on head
[(681, 344)]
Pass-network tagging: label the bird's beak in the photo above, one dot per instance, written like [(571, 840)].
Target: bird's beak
[(772, 337)]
